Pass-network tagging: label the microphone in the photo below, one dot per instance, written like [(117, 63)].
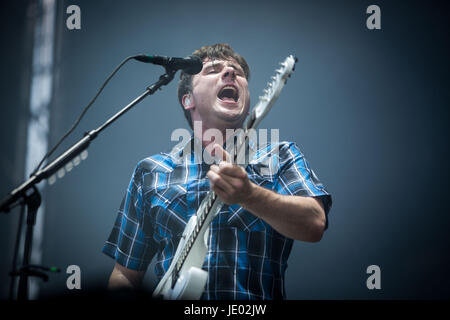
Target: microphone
[(190, 65)]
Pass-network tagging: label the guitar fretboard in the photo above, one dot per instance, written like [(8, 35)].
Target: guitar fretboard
[(202, 213)]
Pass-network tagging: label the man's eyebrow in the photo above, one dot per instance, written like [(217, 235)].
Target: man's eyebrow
[(212, 63), (215, 63), (209, 65), (235, 66)]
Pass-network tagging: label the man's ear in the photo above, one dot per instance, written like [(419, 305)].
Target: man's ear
[(188, 101)]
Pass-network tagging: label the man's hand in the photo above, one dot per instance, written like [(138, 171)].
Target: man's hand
[(229, 181)]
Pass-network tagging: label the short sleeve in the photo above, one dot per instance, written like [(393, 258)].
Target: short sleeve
[(128, 243), (295, 177)]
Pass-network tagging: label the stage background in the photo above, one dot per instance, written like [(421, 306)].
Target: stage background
[(369, 109)]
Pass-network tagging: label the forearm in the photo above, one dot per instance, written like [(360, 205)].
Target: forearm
[(299, 218), (119, 281), (123, 278)]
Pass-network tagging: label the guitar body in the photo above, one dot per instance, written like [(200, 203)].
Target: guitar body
[(190, 285), (191, 279)]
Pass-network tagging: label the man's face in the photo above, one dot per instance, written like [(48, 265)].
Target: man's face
[(220, 95)]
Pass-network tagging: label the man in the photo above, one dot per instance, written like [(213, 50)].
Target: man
[(277, 198)]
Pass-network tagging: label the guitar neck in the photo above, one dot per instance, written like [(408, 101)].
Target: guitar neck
[(210, 202)]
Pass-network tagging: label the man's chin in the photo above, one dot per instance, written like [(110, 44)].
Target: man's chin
[(230, 112), (234, 119)]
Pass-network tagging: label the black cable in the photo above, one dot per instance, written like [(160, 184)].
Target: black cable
[(49, 153)]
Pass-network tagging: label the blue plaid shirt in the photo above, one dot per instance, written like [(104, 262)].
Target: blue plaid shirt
[(247, 258)]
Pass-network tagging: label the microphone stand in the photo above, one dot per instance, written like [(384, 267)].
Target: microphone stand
[(28, 195)]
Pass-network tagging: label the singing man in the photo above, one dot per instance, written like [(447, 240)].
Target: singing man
[(275, 200)]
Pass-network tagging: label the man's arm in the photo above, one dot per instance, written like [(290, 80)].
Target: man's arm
[(296, 217), (124, 278)]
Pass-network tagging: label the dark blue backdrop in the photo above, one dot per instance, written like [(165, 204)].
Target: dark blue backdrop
[(368, 108)]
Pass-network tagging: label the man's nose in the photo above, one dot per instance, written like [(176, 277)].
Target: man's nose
[(229, 73)]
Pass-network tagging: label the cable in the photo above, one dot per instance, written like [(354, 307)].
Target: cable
[(49, 153)]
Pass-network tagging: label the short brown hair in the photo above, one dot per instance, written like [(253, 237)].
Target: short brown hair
[(216, 51)]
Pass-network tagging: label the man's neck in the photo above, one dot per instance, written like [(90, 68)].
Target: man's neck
[(211, 135)]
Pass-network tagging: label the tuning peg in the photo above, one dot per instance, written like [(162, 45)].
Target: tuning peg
[(295, 61), (279, 71), (274, 78)]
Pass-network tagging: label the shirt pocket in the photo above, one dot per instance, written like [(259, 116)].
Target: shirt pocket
[(264, 171), (245, 220), (261, 175), (168, 213)]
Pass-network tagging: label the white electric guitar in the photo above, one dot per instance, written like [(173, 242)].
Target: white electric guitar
[(185, 278)]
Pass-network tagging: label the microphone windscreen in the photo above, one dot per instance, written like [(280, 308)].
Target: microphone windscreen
[(194, 66)]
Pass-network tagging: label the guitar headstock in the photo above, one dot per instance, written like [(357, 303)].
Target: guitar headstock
[(272, 91)]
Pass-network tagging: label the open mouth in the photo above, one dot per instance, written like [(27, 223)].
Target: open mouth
[(229, 94)]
